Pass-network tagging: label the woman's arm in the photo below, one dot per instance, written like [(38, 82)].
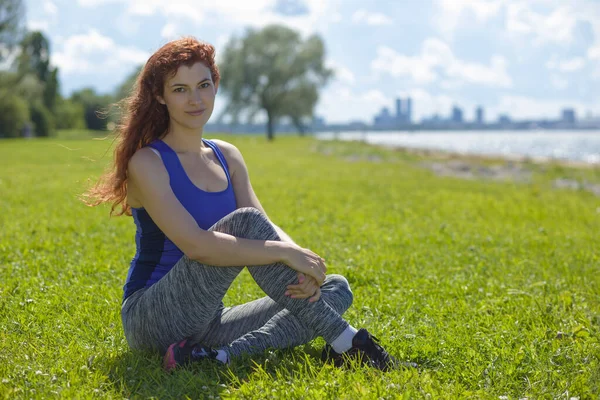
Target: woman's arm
[(245, 197), (244, 193), (147, 174)]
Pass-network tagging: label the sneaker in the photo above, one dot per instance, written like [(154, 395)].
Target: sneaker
[(182, 353), (366, 348)]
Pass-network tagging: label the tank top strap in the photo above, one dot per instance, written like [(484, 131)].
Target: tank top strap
[(170, 160), (219, 155)]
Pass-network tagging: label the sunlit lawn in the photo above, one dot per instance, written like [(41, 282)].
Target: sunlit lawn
[(492, 287)]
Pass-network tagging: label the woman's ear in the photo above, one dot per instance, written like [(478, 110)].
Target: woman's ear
[(160, 100)]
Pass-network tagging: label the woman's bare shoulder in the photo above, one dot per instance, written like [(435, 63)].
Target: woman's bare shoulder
[(232, 154), (143, 158), (145, 164)]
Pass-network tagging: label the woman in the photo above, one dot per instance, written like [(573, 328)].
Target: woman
[(199, 222)]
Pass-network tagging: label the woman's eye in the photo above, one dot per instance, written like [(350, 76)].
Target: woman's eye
[(205, 85), (179, 89)]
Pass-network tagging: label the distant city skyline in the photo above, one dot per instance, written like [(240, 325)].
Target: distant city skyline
[(526, 58), (456, 115)]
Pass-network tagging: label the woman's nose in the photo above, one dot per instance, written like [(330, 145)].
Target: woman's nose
[(195, 97)]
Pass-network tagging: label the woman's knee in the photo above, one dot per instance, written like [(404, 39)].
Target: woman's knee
[(340, 286), (248, 223)]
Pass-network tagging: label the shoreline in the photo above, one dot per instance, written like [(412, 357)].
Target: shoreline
[(562, 147), (559, 173), (453, 155)]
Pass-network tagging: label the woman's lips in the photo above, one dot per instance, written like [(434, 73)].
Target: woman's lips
[(196, 112)]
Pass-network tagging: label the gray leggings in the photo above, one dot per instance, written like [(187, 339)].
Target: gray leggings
[(187, 302)]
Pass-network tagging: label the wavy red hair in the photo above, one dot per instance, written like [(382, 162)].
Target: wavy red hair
[(145, 119)]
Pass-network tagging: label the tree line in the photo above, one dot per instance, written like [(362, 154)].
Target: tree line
[(272, 71)]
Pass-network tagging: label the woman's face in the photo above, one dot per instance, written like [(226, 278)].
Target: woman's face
[(189, 96)]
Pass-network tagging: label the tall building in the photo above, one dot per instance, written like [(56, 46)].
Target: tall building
[(403, 114), (568, 116), (384, 119), (479, 115), (504, 119), (457, 115)]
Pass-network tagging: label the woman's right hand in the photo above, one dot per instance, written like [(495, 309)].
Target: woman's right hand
[(305, 261)]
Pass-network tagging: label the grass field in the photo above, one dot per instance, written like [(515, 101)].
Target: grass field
[(492, 287)]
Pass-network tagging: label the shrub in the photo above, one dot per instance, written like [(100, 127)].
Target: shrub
[(14, 115)]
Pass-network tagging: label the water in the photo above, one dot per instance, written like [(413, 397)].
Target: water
[(583, 146)]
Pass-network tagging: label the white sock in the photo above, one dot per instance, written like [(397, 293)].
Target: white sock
[(222, 356), (344, 342)]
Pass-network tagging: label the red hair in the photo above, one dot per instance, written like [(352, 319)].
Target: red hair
[(145, 119)]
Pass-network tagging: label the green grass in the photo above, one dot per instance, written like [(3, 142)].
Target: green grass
[(493, 287)]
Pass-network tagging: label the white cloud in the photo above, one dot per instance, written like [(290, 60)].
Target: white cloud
[(594, 52), (50, 17), (38, 25), (555, 25), (436, 61), (451, 13), (172, 8), (370, 18), (169, 31), (341, 73), (571, 65), (558, 27), (94, 53), (50, 8), (233, 13)]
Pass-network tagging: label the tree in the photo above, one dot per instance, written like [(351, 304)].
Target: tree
[(300, 108), (275, 71), (30, 90), (94, 105), (35, 59), (14, 114), (42, 119), (69, 115), (11, 25)]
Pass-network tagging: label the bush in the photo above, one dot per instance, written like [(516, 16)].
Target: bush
[(14, 115), (42, 120), (69, 115)]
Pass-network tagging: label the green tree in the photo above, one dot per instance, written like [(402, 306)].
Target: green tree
[(29, 90), (14, 114), (42, 119), (301, 107), (275, 71), (12, 14), (35, 59), (35, 55), (69, 115), (94, 106)]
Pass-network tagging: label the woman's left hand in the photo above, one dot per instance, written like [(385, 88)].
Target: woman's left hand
[(307, 286)]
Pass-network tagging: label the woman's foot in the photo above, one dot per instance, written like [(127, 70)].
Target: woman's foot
[(182, 353), (367, 350)]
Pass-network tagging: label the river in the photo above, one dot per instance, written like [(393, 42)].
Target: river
[(581, 146)]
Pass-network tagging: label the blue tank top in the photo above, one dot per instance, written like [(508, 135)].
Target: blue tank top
[(155, 253)]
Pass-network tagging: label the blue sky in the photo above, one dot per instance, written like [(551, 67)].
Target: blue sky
[(527, 58)]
